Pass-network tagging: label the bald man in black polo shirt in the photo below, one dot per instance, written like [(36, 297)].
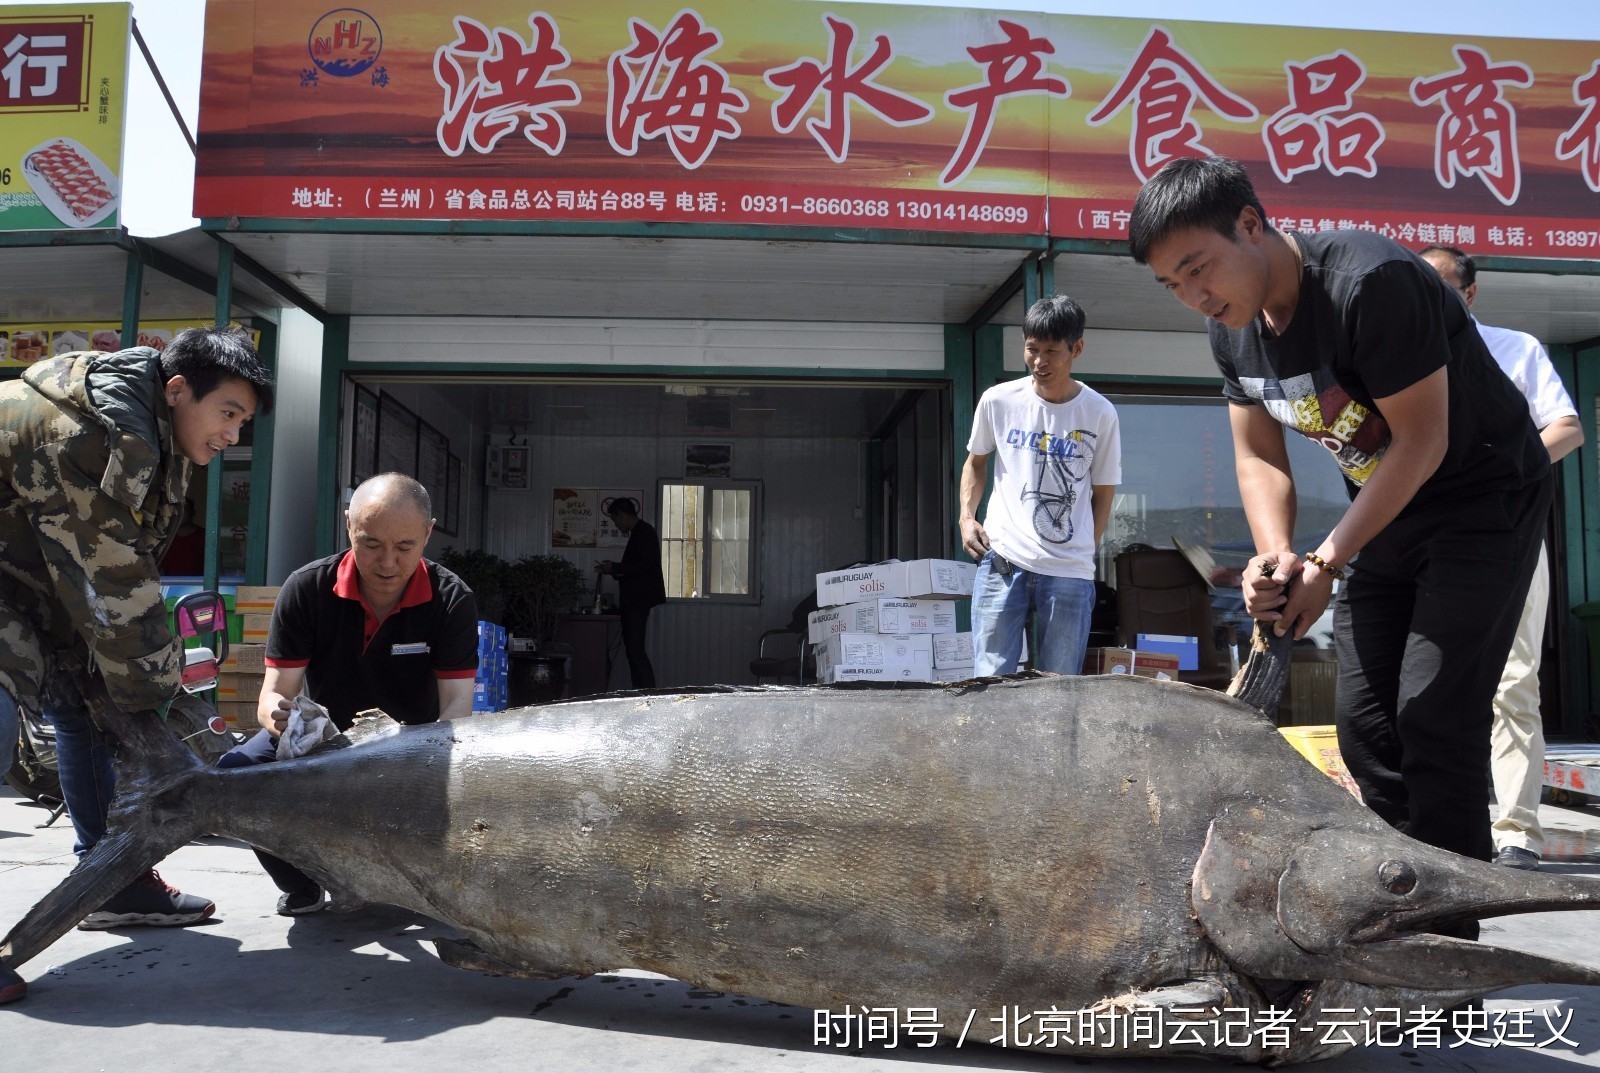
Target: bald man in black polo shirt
[(377, 626)]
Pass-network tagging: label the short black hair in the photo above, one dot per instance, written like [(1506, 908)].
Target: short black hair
[(1057, 319), (1208, 192), (1466, 267), (623, 505), (205, 357)]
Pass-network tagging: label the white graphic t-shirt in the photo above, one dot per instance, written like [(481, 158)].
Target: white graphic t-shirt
[(1047, 458)]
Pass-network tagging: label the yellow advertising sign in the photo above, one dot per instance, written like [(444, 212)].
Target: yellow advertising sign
[(63, 91), (24, 344)]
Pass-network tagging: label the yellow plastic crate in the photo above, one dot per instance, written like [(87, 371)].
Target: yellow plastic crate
[(1320, 745)]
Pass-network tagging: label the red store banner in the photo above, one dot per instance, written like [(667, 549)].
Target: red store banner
[(795, 113)]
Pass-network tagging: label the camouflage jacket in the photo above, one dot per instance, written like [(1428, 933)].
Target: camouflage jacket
[(91, 494)]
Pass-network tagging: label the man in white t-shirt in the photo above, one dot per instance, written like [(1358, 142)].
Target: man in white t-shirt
[(1517, 737), (1057, 461)]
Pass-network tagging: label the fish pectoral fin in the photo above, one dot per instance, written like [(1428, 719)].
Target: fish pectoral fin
[(461, 954), (1195, 995)]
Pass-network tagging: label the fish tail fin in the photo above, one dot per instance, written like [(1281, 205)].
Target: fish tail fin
[(150, 816), (1260, 681)]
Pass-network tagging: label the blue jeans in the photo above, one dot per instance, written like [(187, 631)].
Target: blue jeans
[(84, 763), (1000, 610)]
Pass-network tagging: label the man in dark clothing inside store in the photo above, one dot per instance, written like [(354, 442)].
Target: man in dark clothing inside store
[(376, 626), (639, 583), (1350, 339)]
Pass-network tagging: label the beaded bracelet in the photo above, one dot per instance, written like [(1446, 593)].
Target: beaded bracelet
[(1337, 573)]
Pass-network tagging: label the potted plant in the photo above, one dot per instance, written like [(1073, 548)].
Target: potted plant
[(485, 573), (539, 590)]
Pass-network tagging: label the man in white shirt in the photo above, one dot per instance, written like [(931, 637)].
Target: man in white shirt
[(1517, 738), (1058, 459)]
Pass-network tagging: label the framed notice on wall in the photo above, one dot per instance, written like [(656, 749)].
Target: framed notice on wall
[(452, 507), (397, 437), (578, 517), (433, 465), (364, 437)]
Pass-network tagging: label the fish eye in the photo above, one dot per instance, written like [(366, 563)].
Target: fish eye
[(1397, 877)]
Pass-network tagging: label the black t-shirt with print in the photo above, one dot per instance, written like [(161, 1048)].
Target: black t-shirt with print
[(1373, 319)]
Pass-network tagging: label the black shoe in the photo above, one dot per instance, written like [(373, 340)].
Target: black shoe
[(13, 988), (301, 903), (1517, 857), (150, 902)]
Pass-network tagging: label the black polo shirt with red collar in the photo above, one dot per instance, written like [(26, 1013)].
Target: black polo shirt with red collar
[(353, 661)]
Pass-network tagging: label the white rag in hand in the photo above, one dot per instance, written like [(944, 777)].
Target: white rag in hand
[(309, 726)]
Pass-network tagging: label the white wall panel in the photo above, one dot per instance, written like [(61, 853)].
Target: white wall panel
[(1119, 353), (655, 343)]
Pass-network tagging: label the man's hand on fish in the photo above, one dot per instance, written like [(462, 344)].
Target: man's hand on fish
[(277, 718)]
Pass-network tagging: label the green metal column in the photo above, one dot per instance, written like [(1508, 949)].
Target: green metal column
[(959, 348), (132, 289), (1030, 283), (255, 541), (1047, 275), (335, 352), (213, 520)]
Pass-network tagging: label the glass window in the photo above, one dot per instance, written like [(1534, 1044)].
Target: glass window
[(1178, 481), (708, 545)]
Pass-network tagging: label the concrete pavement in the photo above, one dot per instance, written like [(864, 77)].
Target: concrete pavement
[(251, 991)]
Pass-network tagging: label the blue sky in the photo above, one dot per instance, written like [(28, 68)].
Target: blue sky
[(158, 173)]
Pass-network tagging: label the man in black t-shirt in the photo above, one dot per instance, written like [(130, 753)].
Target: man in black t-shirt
[(639, 583), (377, 626), (1353, 341)]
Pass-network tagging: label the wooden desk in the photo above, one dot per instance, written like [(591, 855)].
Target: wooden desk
[(595, 641)]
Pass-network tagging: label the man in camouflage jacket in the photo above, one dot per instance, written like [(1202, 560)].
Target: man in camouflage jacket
[(96, 451)]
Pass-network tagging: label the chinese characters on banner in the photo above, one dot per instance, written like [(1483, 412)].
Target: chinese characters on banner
[(774, 112), (63, 80)]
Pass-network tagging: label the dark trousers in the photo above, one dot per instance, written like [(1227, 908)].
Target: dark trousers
[(263, 749), (1422, 629), (639, 670)]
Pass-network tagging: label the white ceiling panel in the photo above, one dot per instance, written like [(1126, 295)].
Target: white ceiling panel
[(614, 278)]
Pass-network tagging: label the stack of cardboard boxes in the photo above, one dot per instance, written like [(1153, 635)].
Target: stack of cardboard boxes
[(239, 684), (491, 686), (892, 621)]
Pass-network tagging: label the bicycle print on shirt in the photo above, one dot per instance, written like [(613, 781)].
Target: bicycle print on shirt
[(1061, 464)]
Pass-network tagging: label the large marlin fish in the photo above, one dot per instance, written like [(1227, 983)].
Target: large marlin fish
[(1107, 848)]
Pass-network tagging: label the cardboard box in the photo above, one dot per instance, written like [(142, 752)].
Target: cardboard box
[(921, 671), (952, 674), (1130, 661), (851, 586), (933, 577), (1187, 649), (916, 616), (891, 615), (914, 580), (254, 629), (953, 650), (254, 599), (239, 687), (240, 715), (875, 650), (846, 618), (1320, 745), (245, 659)]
